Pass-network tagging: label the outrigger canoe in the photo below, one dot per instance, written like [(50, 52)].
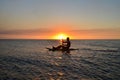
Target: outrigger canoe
[(71, 49)]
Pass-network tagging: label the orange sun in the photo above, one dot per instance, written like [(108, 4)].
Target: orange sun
[(60, 36)]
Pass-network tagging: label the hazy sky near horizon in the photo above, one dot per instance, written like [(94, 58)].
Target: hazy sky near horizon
[(43, 18)]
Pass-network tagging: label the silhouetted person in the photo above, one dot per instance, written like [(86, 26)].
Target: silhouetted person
[(65, 45)]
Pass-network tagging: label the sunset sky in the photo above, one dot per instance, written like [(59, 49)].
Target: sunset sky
[(47, 19)]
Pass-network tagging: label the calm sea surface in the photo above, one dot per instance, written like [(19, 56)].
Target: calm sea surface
[(30, 60)]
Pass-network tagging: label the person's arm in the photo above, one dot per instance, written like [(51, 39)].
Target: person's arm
[(64, 41)]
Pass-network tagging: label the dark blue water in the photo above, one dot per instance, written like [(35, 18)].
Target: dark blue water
[(30, 60)]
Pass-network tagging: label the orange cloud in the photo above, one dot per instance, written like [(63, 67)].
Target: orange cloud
[(50, 34)]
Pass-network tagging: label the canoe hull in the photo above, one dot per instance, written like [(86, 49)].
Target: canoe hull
[(71, 49)]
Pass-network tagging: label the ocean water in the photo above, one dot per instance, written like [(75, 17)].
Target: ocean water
[(30, 60)]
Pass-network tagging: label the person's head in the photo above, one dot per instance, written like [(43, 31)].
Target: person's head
[(67, 38)]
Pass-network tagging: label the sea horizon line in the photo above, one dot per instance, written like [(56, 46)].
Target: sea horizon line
[(59, 39)]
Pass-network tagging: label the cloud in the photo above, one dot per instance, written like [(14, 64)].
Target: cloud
[(47, 33), (97, 31), (41, 33), (24, 32)]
